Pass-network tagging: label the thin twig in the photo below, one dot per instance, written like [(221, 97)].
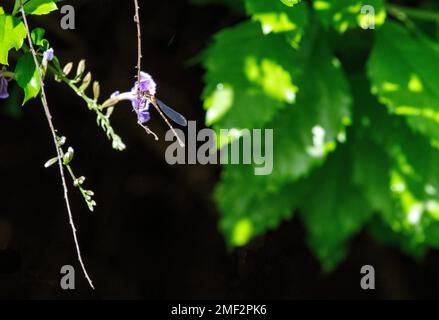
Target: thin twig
[(139, 45), (55, 141)]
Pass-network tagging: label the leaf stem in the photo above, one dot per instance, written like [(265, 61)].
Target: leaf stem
[(7, 74)]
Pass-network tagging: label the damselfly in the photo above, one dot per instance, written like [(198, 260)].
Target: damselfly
[(167, 112)]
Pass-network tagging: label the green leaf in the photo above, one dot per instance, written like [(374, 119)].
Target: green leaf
[(37, 36), (344, 14), (40, 7), (334, 210), (248, 209), (26, 75), (303, 135), (275, 17), (12, 34), (398, 173), (404, 79), (290, 3), (250, 77)]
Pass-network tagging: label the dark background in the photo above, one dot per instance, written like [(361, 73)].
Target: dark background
[(154, 233)]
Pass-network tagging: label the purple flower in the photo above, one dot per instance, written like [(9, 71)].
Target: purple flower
[(48, 54), (140, 103), (147, 84), (143, 116), (3, 87)]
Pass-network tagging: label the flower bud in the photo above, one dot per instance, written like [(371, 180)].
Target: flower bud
[(96, 90), (68, 156), (79, 181), (110, 102), (81, 68), (61, 141), (67, 68)]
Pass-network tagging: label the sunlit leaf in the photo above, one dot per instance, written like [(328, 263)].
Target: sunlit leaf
[(275, 17), (404, 77), (12, 34), (40, 7)]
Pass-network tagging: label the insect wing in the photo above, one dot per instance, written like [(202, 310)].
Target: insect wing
[(172, 114)]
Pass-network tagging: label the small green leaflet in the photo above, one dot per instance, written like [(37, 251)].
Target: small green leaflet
[(37, 36), (275, 17), (334, 209), (398, 173), (26, 75)]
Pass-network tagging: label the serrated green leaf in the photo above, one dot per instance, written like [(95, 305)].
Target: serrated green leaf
[(398, 173), (248, 208), (403, 76), (37, 36), (12, 34), (40, 7), (26, 75), (345, 14), (303, 135), (334, 210)]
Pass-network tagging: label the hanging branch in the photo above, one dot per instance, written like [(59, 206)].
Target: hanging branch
[(56, 143)]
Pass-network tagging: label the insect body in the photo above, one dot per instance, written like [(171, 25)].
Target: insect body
[(166, 112)]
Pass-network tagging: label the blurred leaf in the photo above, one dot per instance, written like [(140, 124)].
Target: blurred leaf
[(276, 17), (334, 209), (345, 162), (257, 71), (344, 14), (290, 3), (26, 75), (403, 76), (399, 174), (244, 200), (303, 135)]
